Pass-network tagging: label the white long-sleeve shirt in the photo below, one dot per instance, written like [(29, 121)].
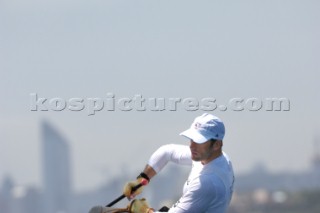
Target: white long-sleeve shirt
[(208, 188)]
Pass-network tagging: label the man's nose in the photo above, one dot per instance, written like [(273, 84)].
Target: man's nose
[(192, 144)]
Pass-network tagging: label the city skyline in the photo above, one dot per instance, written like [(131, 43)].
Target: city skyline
[(57, 194), (48, 128)]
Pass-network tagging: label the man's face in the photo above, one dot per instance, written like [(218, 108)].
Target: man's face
[(201, 152)]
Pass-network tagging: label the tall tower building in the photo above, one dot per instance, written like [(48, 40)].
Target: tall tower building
[(56, 170), (316, 156)]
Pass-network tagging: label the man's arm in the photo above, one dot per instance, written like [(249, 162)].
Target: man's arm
[(149, 171), (179, 154), (172, 152)]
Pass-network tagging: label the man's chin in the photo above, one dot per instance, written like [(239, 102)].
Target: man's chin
[(195, 158)]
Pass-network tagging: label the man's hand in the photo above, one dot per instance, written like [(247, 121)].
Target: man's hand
[(140, 206), (127, 189)]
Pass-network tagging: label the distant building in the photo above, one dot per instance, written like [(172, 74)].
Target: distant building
[(17, 199), (316, 156), (56, 170), (6, 195), (261, 178), (27, 200)]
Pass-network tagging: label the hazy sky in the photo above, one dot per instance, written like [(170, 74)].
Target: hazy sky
[(159, 49)]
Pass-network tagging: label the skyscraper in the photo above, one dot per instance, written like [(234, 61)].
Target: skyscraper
[(56, 170)]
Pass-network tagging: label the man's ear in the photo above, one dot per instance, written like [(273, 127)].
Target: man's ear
[(217, 145)]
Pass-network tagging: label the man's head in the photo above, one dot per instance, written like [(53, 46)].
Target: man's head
[(204, 128), (206, 134)]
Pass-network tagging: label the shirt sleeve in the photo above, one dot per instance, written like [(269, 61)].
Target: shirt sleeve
[(179, 154)]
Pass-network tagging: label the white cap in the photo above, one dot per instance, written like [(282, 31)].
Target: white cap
[(204, 128)]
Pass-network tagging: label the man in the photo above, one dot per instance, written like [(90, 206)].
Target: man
[(209, 186)]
